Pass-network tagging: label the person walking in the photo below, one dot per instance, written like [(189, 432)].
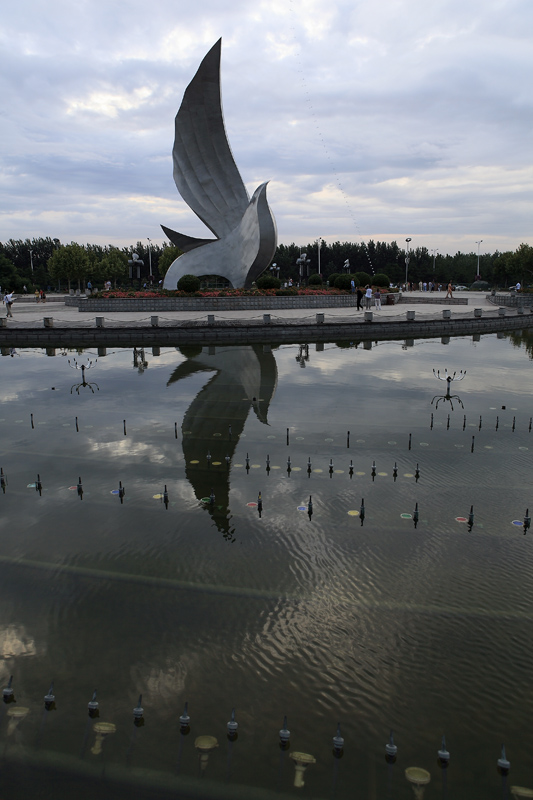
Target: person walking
[(359, 298), (8, 300), (368, 296), (449, 292), (377, 299)]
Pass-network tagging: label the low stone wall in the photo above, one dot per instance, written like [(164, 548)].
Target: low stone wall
[(433, 299), (199, 304), (512, 300), (220, 334)]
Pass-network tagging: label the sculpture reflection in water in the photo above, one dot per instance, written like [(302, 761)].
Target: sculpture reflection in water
[(448, 397), (74, 364), (245, 378)]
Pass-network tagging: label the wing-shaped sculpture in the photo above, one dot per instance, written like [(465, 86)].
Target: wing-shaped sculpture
[(207, 178), (244, 378)]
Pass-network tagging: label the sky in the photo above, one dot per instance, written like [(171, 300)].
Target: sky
[(382, 120)]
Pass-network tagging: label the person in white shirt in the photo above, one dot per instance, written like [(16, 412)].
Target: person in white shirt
[(368, 297), (8, 300)]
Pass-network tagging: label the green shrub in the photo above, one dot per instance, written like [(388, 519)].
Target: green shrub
[(381, 280), (286, 292), (189, 284), (362, 278), (315, 279), (343, 282), (268, 282), (333, 277)]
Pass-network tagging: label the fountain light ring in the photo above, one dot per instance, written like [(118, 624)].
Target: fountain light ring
[(406, 515), (302, 508), (353, 512), (251, 505), (464, 519), (418, 776), (518, 523)]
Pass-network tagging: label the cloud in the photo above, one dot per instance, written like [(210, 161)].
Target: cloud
[(374, 122)]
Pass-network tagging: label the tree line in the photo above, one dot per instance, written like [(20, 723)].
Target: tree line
[(47, 263), (498, 269)]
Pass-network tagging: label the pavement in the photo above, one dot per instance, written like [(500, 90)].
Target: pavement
[(29, 314)]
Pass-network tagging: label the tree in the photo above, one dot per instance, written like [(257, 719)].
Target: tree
[(170, 253), (70, 262), (9, 278), (113, 265)]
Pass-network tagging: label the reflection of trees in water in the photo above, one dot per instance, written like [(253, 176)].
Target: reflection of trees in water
[(523, 339), (244, 378)]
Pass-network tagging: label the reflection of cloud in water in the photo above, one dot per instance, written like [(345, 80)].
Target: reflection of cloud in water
[(14, 641), (163, 685), (124, 447)]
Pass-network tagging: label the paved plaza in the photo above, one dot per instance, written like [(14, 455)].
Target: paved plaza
[(29, 314)]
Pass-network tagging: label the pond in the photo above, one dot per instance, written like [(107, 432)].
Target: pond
[(237, 572)]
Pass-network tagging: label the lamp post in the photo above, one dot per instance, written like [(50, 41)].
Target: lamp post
[(434, 251), (31, 261), (478, 276), (319, 242), (407, 261), (302, 263), (150, 257), (57, 243)]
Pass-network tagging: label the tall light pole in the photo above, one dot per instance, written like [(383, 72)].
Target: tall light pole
[(407, 261), (434, 251), (31, 261), (478, 276), (150, 257), (319, 242)]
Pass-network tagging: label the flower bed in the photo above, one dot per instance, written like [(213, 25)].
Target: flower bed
[(306, 291)]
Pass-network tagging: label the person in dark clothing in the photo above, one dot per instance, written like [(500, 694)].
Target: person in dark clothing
[(359, 298)]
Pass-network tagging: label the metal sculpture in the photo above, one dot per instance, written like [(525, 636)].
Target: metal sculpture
[(207, 178)]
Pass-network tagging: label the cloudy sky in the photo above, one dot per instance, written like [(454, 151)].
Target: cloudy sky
[(370, 119)]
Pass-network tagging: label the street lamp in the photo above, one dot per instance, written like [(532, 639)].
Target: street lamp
[(302, 263), (407, 261), (57, 243), (434, 251), (31, 260), (478, 276), (319, 242), (150, 257)]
